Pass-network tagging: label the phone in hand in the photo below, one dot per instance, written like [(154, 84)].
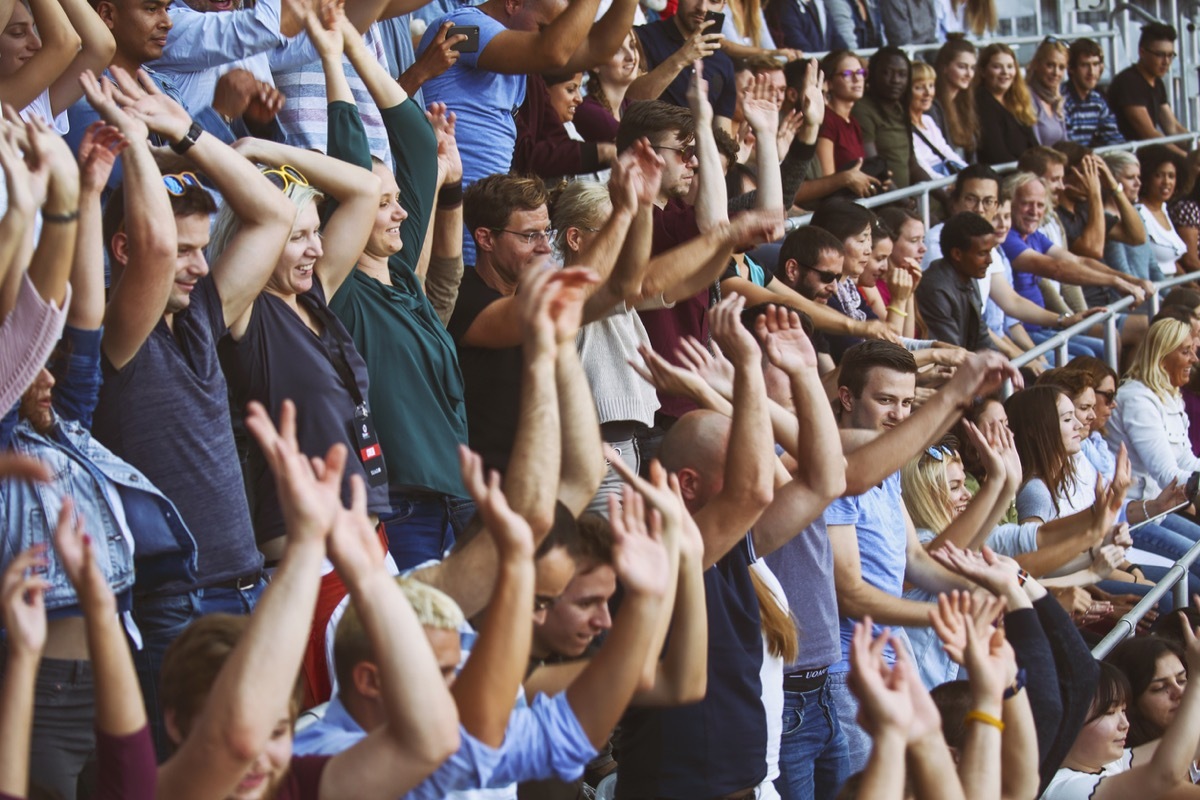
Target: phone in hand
[(718, 20), (468, 45)]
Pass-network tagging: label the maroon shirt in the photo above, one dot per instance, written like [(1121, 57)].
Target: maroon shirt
[(596, 123), (847, 139), (543, 146), (674, 225)]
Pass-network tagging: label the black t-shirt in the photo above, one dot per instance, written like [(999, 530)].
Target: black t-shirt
[(280, 358), (1129, 88), (491, 377), (719, 745)]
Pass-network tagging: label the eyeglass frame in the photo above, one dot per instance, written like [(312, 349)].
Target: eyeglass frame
[(985, 203), (183, 179), (549, 233), (288, 174), (1109, 397), (1160, 55), (686, 153), (847, 74)]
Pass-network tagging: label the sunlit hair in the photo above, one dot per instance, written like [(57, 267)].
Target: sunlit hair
[(1017, 99), (778, 626), (925, 487), (1033, 417), (578, 204), (981, 17), (1145, 365), (1013, 183), (747, 15), (1073, 382), (192, 662), (351, 645), (962, 122), (228, 223), (1050, 94), (1137, 658)]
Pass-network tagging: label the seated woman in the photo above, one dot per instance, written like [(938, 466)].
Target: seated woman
[(903, 272), (599, 115), (45, 46), (1100, 765), (1045, 74), (883, 112), (1185, 212), (840, 149), (1160, 173), (746, 33), (958, 17), (1138, 261), (545, 146), (1171, 536), (1150, 419), (934, 155), (953, 107), (1154, 667), (887, 290), (1002, 101)]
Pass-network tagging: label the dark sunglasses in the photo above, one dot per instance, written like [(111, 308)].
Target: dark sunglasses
[(1108, 396), (826, 277)]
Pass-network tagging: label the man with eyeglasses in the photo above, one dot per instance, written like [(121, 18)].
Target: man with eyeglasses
[(164, 404), (1090, 120), (1138, 94)]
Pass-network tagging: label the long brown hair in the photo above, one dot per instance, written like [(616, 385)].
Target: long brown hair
[(596, 90), (1033, 417), (746, 17), (1017, 99), (962, 123), (778, 627), (981, 17)]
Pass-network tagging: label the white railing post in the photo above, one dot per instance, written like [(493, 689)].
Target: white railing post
[(1112, 344)]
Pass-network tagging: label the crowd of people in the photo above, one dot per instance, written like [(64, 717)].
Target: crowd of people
[(339, 336)]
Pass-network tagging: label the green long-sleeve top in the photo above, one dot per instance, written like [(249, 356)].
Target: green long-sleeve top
[(416, 386)]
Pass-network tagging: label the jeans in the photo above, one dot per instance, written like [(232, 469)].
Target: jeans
[(1170, 537), (813, 759), (63, 744), (161, 620), (423, 525), (1076, 345), (845, 707), (612, 484)]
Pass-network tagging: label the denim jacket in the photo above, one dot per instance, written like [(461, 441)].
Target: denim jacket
[(120, 507)]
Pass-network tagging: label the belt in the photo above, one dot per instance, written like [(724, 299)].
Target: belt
[(243, 583), (619, 430), (805, 681), (744, 794)]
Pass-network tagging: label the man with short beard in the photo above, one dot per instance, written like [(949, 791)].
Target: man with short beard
[(1090, 121)]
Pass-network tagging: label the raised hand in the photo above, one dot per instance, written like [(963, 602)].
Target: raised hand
[(990, 662), (78, 559), (926, 720), (697, 95), (725, 322), (22, 592), (702, 43), (444, 128), (756, 227), (980, 374), (310, 500), (100, 95), (649, 175), (660, 493), (354, 545), (884, 702), (98, 152), (901, 283), (142, 100), (758, 107), (812, 101), (712, 367), (325, 32), (624, 182), (788, 126), (997, 574), (668, 378), (441, 54), (640, 557), (17, 179), (784, 340), (957, 612), (509, 530)]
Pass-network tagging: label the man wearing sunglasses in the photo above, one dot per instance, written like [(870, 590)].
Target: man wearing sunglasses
[(1138, 93)]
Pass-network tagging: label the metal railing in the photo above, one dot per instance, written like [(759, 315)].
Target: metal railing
[(1175, 580)]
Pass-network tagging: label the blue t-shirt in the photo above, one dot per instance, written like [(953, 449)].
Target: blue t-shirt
[(719, 745), (1026, 283), (485, 102), (878, 517)]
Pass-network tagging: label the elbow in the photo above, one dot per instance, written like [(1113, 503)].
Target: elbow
[(243, 739), (105, 48), (762, 493), (439, 740), (556, 54), (834, 484)]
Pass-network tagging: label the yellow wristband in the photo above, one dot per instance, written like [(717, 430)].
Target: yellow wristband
[(898, 311), (985, 718)]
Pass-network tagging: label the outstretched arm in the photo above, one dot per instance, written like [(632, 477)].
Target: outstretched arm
[(97, 153), (549, 49), (421, 726), (96, 49)]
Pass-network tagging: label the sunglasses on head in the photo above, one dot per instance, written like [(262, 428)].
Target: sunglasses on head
[(178, 182), (939, 452), (285, 176)]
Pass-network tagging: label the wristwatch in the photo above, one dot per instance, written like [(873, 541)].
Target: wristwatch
[(189, 139), (1062, 318), (1016, 686)]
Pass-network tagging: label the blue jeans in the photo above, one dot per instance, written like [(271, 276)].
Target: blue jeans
[(1170, 537), (845, 707), (813, 760), (423, 526), (1076, 345), (161, 620)]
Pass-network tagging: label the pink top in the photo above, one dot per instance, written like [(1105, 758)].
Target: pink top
[(27, 337)]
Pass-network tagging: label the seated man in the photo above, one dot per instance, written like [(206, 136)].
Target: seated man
[(1090, 122), (1138, 94), (948, 294)]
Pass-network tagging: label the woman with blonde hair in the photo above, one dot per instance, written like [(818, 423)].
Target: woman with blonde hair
[(1005, 108), (1150, 419), (1044, 75), (933, 153), (953, 106)]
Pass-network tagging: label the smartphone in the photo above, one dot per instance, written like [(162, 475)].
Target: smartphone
[(471, 43), (716, 17)]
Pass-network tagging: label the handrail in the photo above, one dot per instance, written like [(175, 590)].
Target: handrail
[(929, 47), (1063, 336), (1176, 577)]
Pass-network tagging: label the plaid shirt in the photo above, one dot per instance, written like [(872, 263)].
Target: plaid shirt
[(1090, 122)]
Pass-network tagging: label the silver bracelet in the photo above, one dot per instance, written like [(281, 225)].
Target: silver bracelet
[(1145, 511)]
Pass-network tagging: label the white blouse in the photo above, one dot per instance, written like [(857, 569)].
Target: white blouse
[(1168, 248)]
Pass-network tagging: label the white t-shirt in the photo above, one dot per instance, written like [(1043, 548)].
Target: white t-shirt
[(1165, 243), (41, 106), (1069, 784)]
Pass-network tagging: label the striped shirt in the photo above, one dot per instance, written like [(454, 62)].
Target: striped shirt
[(1090, 122)]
